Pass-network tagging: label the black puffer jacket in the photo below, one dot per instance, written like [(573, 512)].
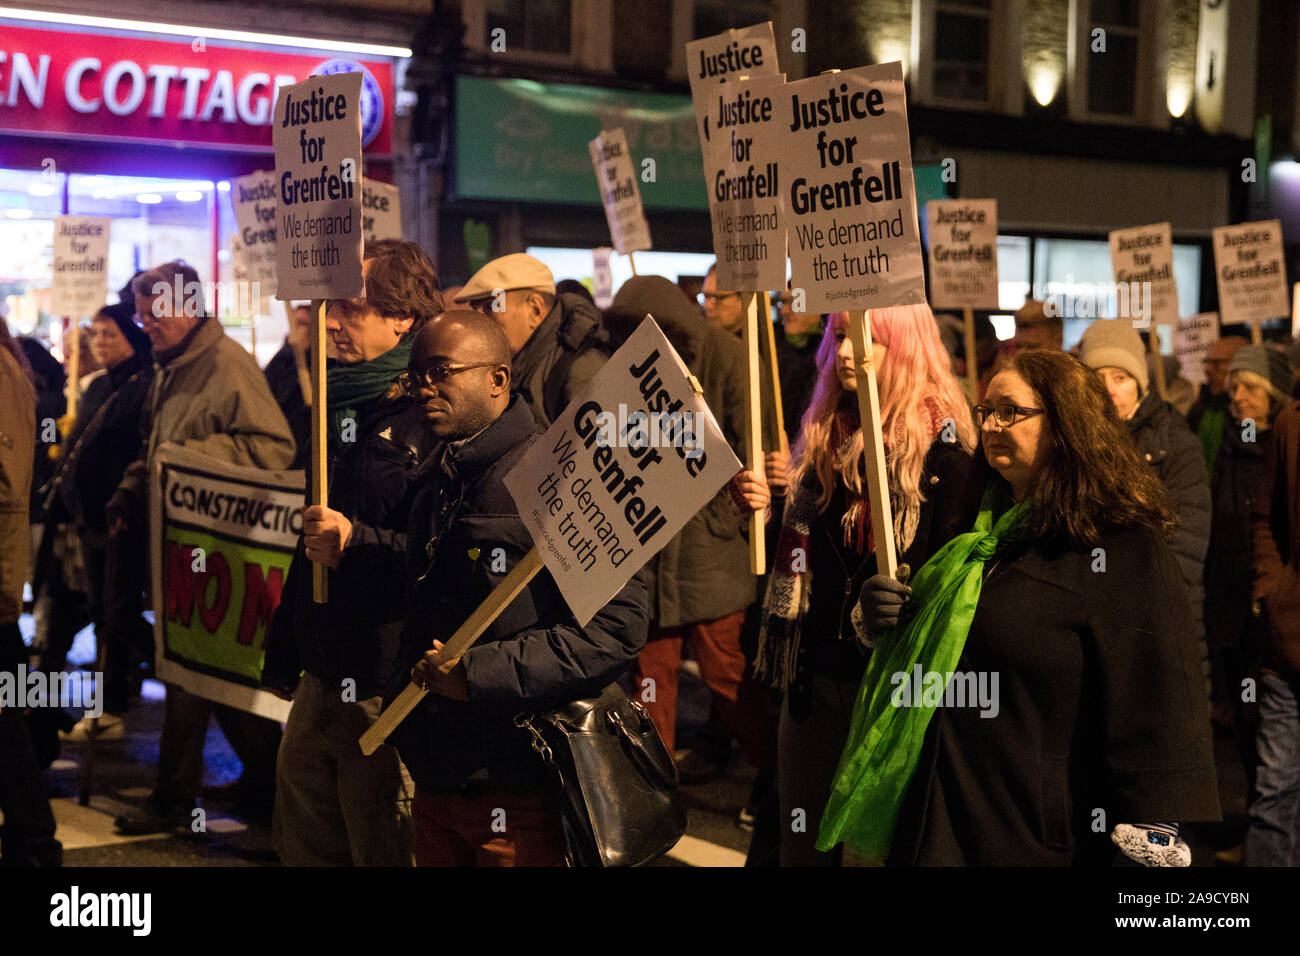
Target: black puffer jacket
[(105, 439), (346, 638), (1231, 631), (1174, 452), (442, 551)]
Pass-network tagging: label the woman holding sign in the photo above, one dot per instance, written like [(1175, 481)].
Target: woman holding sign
[(1047, 690), (813, 644)]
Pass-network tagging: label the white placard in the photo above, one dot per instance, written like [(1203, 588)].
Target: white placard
[(725, 57), (741, 145), (1251, 274), (1193, 337), (381, 211), (80, 285), (253, 199), (619, 193), (602, 283), (851, 210), (620, 472), (963, 249), (317, 136), (1144, 255)]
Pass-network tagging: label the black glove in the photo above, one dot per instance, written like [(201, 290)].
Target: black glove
[(884, 599)]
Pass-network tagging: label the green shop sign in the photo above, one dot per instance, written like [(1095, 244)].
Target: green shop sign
[(523, 140)]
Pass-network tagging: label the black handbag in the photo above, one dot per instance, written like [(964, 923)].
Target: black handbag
[(618, 785)]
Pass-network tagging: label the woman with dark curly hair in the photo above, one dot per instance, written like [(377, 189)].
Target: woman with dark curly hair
[(1048, 689)]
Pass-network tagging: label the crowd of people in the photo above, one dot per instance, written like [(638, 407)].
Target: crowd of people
[(1106, 568)]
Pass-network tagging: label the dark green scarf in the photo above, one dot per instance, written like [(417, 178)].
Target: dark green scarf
[(885, 739), (351, 386)]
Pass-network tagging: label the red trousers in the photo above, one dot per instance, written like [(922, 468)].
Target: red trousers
[(715, 645), (486, 827)]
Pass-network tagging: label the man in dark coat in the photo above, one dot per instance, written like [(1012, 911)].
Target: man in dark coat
[(798, 336), (105, 439), (439, 555), (556, 342), (289, 385), (335, 806), (1209, 413)]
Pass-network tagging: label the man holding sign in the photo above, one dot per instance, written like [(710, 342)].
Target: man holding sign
[(482, 795)]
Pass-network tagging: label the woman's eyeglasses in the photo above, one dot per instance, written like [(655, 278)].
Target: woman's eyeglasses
[(1004, 416), (412, 381)]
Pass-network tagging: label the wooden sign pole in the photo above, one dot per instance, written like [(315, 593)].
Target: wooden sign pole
[(460, 642), (768, 334), (753, 431), (72, 360), (317, 491), (1256, 334), (882, 519), (631, 259), (972, 357)]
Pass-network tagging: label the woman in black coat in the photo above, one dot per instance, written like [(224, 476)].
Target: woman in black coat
[(812, 645), (1096, 718)]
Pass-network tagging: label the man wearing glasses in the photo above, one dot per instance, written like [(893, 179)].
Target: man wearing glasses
[(482, 795), (724, 310), (557, 342), (334, 806), (1209, 413)]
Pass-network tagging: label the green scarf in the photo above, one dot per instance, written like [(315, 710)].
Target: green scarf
[(351, 386), (885, 739)]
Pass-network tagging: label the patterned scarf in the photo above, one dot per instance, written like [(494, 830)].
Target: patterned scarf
[(789, 585)]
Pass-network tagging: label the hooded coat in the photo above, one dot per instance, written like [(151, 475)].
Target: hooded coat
[(703, 573), (17, 452), (560, 357)]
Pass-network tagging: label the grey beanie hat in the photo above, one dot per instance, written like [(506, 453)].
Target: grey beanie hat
[(1268, 363), (1113, 343)]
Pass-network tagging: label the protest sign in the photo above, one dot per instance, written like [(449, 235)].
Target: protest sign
[(711, 61), (735, 85), (222, 536), (1143, 261), (1193, 337), (626, 465), (602, 282), (621, 471), (381, 211), (619, 194), (1251, 276), (253, 199), (317, 137), (962, 241), (80, 285), (851, 214)]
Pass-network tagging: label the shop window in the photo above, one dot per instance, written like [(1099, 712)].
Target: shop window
[(961, 49), (1013, 271), (538, 26), (1113, 73)]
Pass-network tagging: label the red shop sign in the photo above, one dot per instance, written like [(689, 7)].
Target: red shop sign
[(94, 86)]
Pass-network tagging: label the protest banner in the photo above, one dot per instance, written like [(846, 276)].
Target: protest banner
[(626, 465), (80, 285), (962, 242), (852, 207), (1143, 261), (1251, 276), (727, 56), (1193, 337), (381, 211), (317, 137), (619, 193), (253, 199), (222, 536)]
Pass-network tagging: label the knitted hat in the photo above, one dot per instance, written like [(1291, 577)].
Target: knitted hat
[(1268, 363), (1113, 343)]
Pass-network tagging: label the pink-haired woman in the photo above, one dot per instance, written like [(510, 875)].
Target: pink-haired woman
[(814, 643)]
